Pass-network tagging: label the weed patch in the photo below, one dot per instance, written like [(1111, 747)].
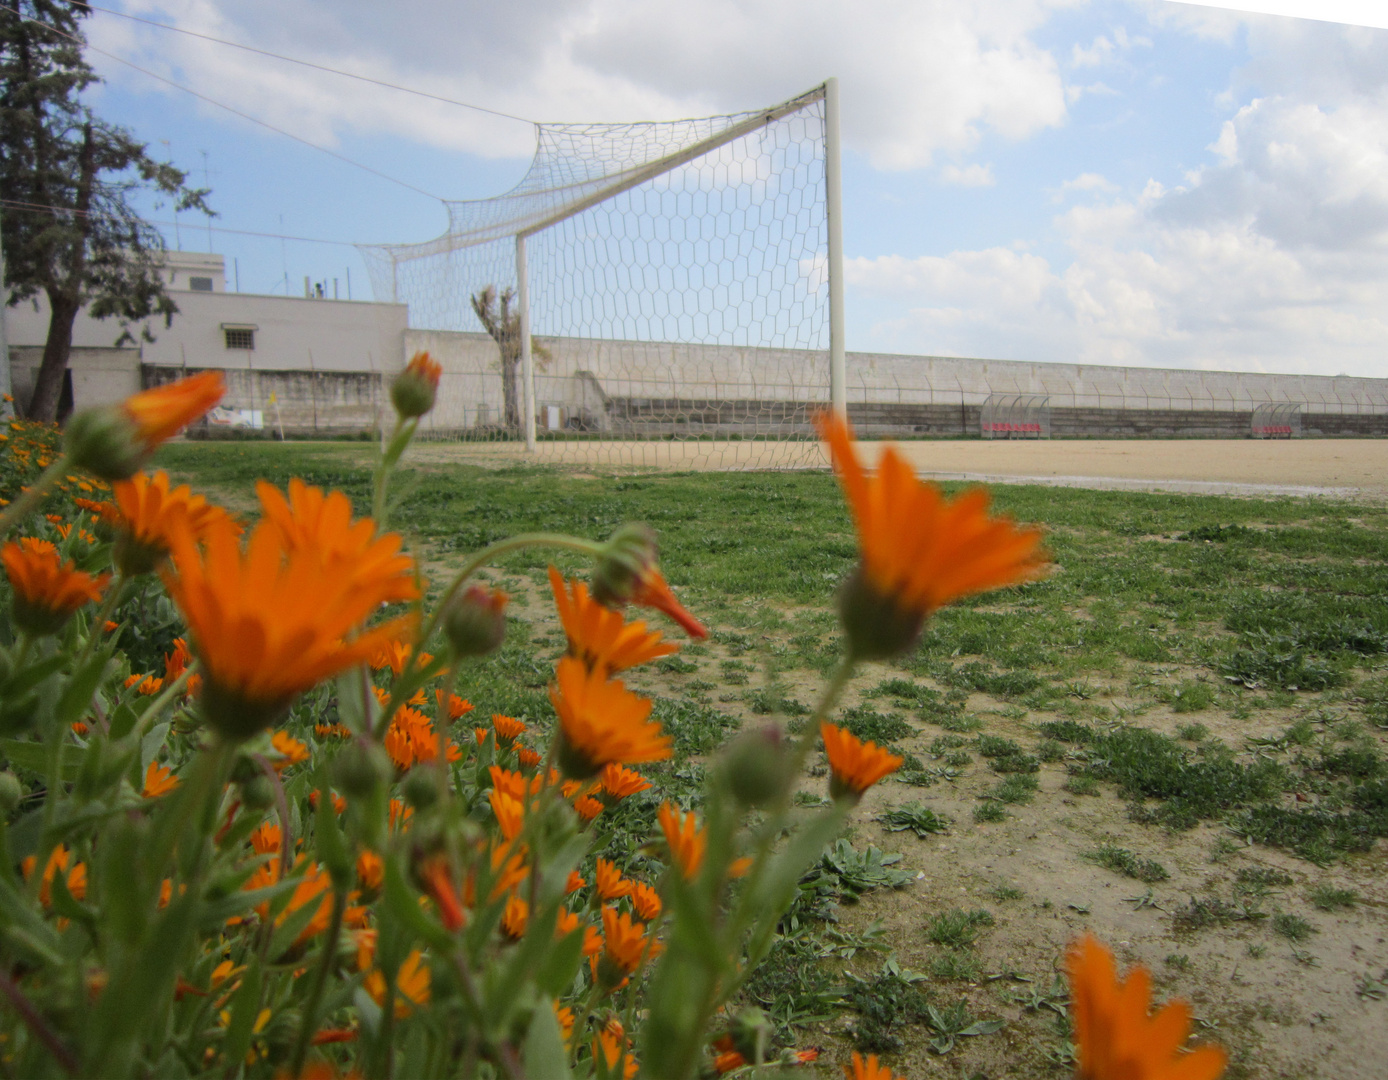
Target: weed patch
[(1122, 861)]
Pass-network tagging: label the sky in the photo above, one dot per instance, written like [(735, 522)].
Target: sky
[(1135, 182)]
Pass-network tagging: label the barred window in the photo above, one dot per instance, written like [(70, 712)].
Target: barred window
[(240, 339), (200, 284)]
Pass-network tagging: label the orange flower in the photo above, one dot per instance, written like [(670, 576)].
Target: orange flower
[(919, 551), (574, 882), (339, 803), (400, 814), (412, 392), (457, 707), (625, 944), (46, 590), (601, 721), (149, 512), (371, 871), (619, 782), (58, 858), (653, 591), (509, 811), (686, 839), (611, 884), (274, 620), (588, 807), (393, 655), (855, 765), (508, 729), (176, 662), (599, 636), (612, 1044), (149, 685), (515, 917), (159, 780), (291, 750), (310, 522), (527, 757), (411, 985), (646, 901), (867, 1070), (164, 411), (438, 881), (411, 739), (565, 1016), (1117, 1039)]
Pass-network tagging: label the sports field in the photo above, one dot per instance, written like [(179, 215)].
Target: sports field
[(1345, 468), (1179, 740)]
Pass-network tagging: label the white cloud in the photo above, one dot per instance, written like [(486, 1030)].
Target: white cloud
[(919, 77), (1089, 181), (968, 175)]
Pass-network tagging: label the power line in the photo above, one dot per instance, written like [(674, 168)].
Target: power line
[(234, 111), (55, 210), (307, 63)]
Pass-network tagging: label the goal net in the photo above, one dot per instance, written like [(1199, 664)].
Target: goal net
[(675, 279)]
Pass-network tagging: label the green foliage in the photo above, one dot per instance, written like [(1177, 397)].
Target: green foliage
[(957, 928), (874, 726), (885, 1004), (858, 872), (916, 817), (1292, 927), (1122, 861), (1328, 898)]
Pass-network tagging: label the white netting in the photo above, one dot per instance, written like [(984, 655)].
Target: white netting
[(678, 293)]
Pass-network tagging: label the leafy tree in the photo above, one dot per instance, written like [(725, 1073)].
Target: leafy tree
[(495, 314), (67, 176)]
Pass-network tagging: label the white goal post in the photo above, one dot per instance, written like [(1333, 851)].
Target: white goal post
[(683, 282)]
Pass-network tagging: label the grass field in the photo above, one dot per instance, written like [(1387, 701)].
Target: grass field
[(1179, 740)]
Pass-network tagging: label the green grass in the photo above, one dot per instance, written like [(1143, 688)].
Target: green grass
[(1266, 612)]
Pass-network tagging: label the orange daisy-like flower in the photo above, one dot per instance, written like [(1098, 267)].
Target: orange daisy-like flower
[(527, 757), (159, 780), (855, 765), (515, 917), (600, 636), (281, 616), (148, 685), (919, 551), (411, 985), (371, 871), (867, 1069), (290, 749), (161, 413), (588, 807), (646, 901), (508, 729), (612, 1044), (176, 662), (611, 884), (438, 880), (625, 945), (1117, 1038), (46, 590), (619, 782), (601, 721), (457, 707), (148, 512), (509, 811), (311, 522), (687, 841)]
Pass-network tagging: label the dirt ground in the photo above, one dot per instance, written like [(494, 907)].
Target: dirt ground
[(1338, 468)]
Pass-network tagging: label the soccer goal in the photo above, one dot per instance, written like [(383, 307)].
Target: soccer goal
[(652, 294)]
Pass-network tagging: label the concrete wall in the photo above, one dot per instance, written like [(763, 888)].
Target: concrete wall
[(302, 403), (98, 375)]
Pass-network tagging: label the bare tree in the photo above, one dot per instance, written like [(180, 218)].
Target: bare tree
[(495, 314)]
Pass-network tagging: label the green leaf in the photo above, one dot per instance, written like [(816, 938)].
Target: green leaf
[(561, 963), (81, 687), (983, 1027), (245, 1006), (123, 719), (543, 1052), (151, 744), (24, 680), (33, 756), (215, 913), (328, 839)]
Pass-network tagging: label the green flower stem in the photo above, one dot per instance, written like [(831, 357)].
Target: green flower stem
[(320, 981), (96, 630), (832, 689), (30, 500), (403, 688)]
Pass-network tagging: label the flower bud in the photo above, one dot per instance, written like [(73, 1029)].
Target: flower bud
[(627, 556), (421, 788), (877, 628), (361, 768), (106, 442), (414, 389), (475, 623), (757, 766), (11, 791)]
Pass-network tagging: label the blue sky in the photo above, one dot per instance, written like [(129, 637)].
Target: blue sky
[(1104, 181)]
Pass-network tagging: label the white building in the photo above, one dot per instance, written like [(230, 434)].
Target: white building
[(275, 350)]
